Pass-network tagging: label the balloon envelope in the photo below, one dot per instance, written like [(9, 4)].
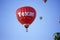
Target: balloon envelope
[(57, 36), (59, 21), (41, 17), (45, 1)]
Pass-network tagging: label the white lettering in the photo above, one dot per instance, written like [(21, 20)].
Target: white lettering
[(26, 14), (19, 14), (31, 14), (22, 14)]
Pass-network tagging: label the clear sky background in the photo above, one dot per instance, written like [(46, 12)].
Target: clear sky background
[(11, 29)]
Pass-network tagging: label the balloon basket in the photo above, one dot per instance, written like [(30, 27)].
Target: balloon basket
[(26, 29)]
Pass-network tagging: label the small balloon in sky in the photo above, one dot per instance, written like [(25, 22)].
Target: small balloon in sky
[(59, 21), (45, 1), (26, 16), (57, 36), (41, 17)]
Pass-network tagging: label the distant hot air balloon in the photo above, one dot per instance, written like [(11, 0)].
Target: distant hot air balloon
[(26, 16), (45, 1), (59, 21), (57, 36), (41, 17)]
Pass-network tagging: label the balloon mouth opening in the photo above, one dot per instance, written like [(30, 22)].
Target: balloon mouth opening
[(26, 26)]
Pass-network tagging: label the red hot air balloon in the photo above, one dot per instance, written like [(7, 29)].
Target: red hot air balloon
[(26, 16), (45, 1)]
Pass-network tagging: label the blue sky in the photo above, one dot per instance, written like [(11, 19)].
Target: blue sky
[(11, 29)]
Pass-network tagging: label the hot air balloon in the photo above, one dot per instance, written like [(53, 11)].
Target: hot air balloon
[(26, 15), (59, 21), (57, 36), (45, 1), (41, 17)]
